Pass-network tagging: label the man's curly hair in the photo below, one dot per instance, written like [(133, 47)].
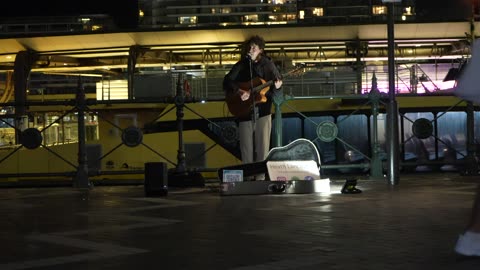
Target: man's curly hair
[(257, 40)]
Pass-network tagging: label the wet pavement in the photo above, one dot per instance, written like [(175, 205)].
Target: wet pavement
[(413, 225)]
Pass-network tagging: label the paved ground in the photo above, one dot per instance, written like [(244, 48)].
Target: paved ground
[(410, 226)]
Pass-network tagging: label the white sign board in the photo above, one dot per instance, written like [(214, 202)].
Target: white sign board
[(230, 176), (293, 170)]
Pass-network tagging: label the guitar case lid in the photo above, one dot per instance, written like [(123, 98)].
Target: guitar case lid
[(299, 149)]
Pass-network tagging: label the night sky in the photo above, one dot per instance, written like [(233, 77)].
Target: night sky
[(124, 12), (53, 7), (444, 9)]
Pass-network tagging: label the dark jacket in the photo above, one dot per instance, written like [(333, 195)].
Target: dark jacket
[(240, 72)]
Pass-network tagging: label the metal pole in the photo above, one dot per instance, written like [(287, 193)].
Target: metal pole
[(392, 110), (359, 66), (376, 168), (278, 126), (81, 178), (471, 165), (180, 103), (278, 99), (132, 62)]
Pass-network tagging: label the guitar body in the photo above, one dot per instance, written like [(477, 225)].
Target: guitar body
[(242, 108)]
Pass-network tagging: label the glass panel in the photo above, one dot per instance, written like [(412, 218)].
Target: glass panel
[(353, 129), (381, 133), (452, 128), (291, 129)]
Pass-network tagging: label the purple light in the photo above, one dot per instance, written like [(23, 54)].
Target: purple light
[(421, 88)]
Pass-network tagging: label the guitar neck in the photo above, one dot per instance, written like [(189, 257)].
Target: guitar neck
[(269, 83), (262, 86)]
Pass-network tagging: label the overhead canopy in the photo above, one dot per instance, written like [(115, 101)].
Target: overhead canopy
[(107, 45), (285, 34)]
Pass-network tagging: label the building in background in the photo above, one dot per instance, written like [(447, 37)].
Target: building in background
[(228, 13)]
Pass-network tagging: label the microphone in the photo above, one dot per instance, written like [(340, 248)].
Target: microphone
[(248, 57)]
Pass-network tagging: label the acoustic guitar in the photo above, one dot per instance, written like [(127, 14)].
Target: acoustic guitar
[(242, 108)]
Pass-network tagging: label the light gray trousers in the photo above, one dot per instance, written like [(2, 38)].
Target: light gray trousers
[(263, 131)]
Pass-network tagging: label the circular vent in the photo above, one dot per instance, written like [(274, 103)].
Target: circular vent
[(132, 136), (327, 131), (31, 138), (229, 134), (422, 128)]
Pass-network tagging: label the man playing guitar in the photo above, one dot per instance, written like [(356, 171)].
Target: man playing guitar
[(255, 126)]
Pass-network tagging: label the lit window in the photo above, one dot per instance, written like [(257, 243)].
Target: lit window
[(141, 13), (117, 89), (317, 11), (277, 9), (301, 14), (379, 10), (407, 11), (291, 17), (251, 18), (187, 20), (96, 27)]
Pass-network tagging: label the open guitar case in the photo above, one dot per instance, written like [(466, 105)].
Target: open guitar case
[(298, 150)]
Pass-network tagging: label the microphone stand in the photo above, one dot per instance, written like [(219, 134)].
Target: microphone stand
[(254, 111)]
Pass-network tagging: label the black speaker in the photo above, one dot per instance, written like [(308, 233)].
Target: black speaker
[(156, 179)]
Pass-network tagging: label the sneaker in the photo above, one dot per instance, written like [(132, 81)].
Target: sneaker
[(468, 244), (350, 187)]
